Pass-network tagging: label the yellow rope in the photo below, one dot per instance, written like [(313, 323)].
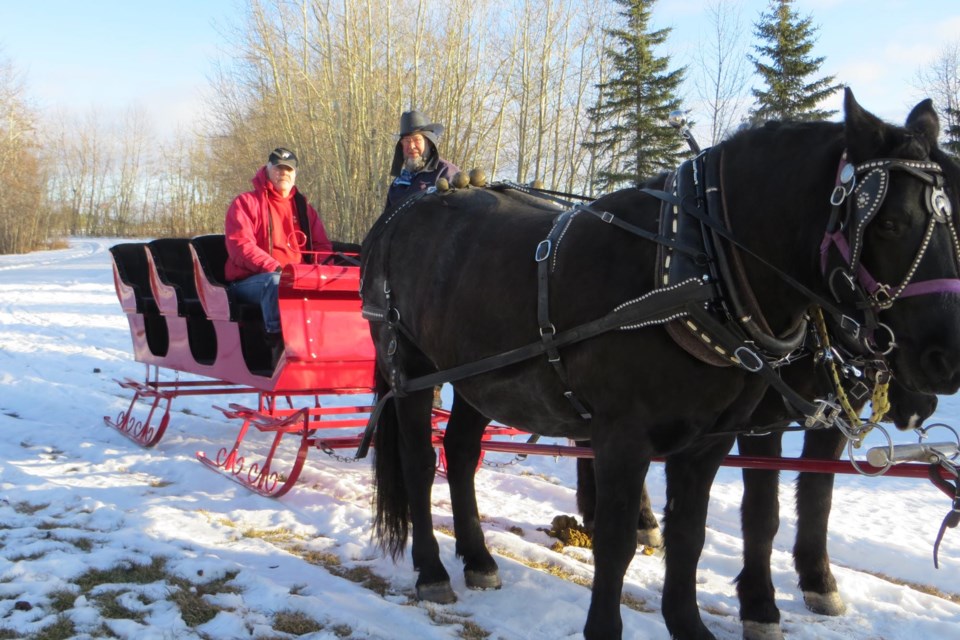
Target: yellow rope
[(879, 400), (842, 398)]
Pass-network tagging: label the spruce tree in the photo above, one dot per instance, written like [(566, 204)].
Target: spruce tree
[(629, 131), (784, 63), (951, 130)]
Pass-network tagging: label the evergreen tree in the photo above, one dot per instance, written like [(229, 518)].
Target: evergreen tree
[(629, 131), (784, 64), (951, 131)]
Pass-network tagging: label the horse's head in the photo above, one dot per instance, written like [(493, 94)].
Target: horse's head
[(897, 198)]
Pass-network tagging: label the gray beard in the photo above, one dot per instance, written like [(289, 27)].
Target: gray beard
[(413, 165)]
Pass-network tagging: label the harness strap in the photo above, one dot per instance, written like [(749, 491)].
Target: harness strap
[(724, 233), (547, 328), (609, 218), (754, 363), (652, 308)]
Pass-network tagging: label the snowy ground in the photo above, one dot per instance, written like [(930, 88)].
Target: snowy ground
[(101, 538)]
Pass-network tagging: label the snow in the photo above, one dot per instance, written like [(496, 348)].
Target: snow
[(77, 496)]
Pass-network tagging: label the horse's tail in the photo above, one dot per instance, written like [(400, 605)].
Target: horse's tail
[(391, 523)]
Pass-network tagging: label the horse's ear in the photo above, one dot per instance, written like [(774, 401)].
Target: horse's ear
[(865, 132), (923, 119)]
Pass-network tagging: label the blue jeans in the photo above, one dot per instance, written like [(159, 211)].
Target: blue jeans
[(262, 289)]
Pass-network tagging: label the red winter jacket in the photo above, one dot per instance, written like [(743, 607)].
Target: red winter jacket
[(247, 229)]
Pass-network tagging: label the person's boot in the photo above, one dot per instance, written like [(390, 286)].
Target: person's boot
[(275, 344)]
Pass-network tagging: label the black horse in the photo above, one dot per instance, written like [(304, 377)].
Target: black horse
[(760, 509), (502, 283)]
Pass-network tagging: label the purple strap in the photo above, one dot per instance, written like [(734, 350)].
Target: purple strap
[(942, 285)]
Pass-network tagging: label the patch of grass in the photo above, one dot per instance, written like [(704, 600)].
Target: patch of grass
[(273, 536), (109, 607), (636, 603), (8, 634), (189, 598), (331, 562), (136, 574), (366, 579), (26, 508), (193, 608), (61, 629), (469, 630), (84, 544), (317, 558), (547, 567), (445, 530), (105, 632), (62, 600), (159, 484), (916, 586), (295, 623)]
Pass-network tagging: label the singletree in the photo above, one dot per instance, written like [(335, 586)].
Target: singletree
[(785, 65), (629, 131)]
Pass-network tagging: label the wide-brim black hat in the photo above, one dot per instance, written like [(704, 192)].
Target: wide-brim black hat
[(415, 122)]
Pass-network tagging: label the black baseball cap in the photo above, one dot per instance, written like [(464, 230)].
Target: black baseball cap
[(283, 157)]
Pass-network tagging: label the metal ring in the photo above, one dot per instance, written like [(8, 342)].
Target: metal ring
[(956, 436), (886, 467)]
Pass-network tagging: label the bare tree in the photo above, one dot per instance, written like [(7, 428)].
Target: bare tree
[(721, 84), (940, 80)]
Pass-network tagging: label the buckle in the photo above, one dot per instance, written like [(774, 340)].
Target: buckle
[(748, 359), (543, 250), (850, 326)]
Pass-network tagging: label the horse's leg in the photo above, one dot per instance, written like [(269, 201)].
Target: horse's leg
[(814, 499), (619, 473), (760, 519), (586, 489), (690, 475), (461, 443), (419, 461), (648, 529)]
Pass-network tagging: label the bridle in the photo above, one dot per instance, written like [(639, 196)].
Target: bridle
[(864, 188)]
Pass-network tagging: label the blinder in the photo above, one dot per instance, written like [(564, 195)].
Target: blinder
[(864, 189)]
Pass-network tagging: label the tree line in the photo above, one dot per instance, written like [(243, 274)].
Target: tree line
[(574, 93)]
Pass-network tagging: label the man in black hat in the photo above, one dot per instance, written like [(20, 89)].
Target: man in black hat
[(416, 162)]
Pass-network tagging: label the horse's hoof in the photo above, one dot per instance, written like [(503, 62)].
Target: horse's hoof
[(826, 604), (479, 580), (438, 592), (761, 630), (650, 538)]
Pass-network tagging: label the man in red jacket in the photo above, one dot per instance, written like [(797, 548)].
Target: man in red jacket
[(266, 229)]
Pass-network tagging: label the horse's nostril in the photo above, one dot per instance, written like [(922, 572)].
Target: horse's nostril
[(942, 368)]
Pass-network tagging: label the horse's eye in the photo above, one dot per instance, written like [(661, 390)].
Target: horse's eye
[(888, 228)]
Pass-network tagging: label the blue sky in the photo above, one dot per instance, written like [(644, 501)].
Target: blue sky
[(158, 55)]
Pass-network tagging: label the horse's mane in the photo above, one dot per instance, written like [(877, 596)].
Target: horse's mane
[(784, 127), (527, 198)]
